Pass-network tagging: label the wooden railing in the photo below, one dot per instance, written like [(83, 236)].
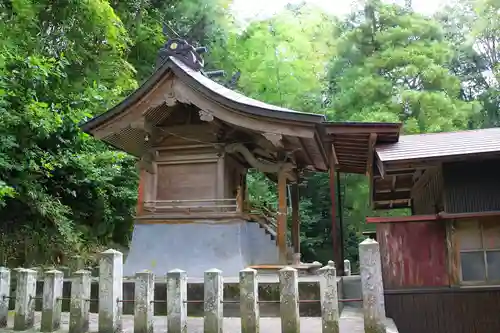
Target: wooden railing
[(267, 219), (192, 206)]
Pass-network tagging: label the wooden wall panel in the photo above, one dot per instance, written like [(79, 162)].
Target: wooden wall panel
[(187, 181), (234, 172), (472, 186), (446, 310), (413, 254)]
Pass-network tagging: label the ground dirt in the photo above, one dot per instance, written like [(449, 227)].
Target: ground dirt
[(351, 322)]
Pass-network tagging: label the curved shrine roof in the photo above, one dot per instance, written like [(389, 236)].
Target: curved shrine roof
[(205, 85), (349, 143)]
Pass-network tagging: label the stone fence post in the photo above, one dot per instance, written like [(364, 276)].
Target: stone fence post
[(249, 309), (347, 268), (213, 306), (51, 301), (289, 300), (79, 306), (24, 317), (176, 301), (110, 291), (372, 286), (143, 302), (329, 298), (4, 295)]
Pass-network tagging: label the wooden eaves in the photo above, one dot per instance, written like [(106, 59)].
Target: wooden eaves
[(310, 136), (173, 84), (401, 166), (353, 143)]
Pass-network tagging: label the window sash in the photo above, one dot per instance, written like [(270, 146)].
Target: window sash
[(484, 250)]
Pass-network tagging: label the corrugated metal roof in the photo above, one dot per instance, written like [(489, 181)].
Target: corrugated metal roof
[(433, 145)]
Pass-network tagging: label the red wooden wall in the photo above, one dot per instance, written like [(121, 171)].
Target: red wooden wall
[(413, 254)]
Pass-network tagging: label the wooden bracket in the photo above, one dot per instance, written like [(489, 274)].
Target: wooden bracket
[(274, 138)]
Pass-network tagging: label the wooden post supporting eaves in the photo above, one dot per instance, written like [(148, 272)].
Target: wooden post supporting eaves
[(295, 218), (336, 239), (140, 192), (282, 212)]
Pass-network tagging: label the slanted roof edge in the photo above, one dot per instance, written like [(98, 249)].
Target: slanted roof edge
[(184, 73)]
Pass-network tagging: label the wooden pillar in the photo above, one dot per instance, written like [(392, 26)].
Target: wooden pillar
[(246, 197), (336, 237), (282, 210), (295, 218), (240, 194), (221, 179), (140, 192)]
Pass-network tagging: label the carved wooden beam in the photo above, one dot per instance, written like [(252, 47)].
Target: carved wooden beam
[(266, 167)]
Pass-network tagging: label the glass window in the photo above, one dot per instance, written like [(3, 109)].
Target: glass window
[(479, 246)]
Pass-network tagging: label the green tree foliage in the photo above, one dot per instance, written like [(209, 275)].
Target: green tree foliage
[(391, 65), (62, 62), (62, 192), (472, 28), (282, 59)]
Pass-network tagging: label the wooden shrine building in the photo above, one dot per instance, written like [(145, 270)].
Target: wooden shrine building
[(195, 140), (441, 264)]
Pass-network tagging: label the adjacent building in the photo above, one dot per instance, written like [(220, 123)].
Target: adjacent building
[(441, 264)]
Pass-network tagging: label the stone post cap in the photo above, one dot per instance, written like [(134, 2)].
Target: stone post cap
[(288, 269), (144, 272), (248, 270), (368, 241), (176, 271), (54, 272), (82, 272), (4, 269), (329, 267), (112, 251), (213, 271)]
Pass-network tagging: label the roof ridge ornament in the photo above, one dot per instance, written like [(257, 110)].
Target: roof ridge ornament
[(190, 56), (182, 50)]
